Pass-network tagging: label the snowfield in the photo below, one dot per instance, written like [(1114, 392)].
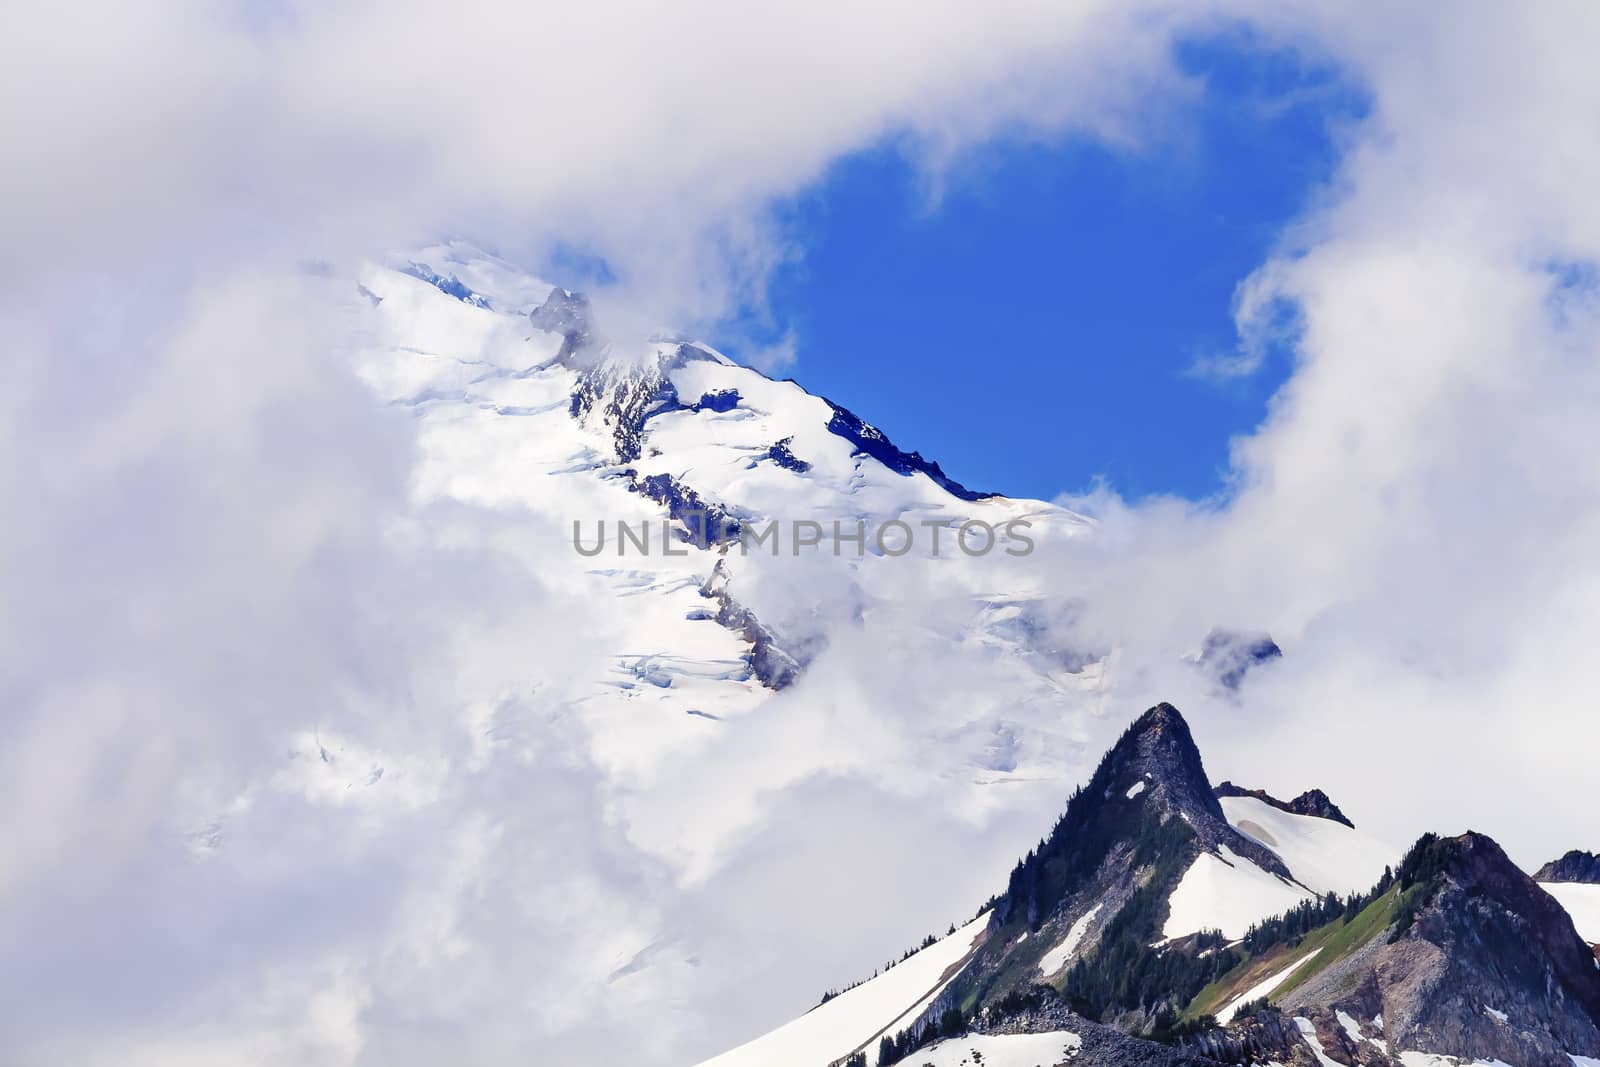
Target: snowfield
[(1323, 855), (499, 430), (1059, 956), (1227, 893), (857, 1018), (672, 672), (1582, 902)]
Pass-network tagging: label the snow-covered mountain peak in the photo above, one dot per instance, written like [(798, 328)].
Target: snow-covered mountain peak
[(530, 411)]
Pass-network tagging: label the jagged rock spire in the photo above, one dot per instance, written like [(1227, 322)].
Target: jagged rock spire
[(1575, 866)]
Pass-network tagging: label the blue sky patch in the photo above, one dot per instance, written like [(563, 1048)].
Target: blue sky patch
[(1037, 326)]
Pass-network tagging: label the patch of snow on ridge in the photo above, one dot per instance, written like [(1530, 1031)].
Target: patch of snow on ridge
[(1325, 856), (1228, 893), (857, 1017), (1002, 1050), (1353, 1028), (1582, 902), (1263, 988), (1136, 789), (1057, 957), (1309, 1032)]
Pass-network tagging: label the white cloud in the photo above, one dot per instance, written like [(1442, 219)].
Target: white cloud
[(653, 137), (214, 546), (1414, 520)]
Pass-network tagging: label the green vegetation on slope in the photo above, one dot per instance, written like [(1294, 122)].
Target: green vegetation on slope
[(1274, 943)]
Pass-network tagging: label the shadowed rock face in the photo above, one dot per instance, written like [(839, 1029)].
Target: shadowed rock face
[(1159, 750), (566, 313), (1152, 784), (1487, 937), (1312, 802), (1102, 1046), (1575, 866), (1468, 959), (1110, 864), (1479, 964), (773, 663), (1229, 656), (1482, 965), (869, 440)]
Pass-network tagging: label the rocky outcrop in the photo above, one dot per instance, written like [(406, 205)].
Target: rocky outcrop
[(871, 441), (1106, 1046), (770, 661), (1575, 866), (1479, 963), (567, 313), (1043, 1011), (1267, 1036), (1101, 882), (1312, 802), (623, 398), (1158, 750), (1229, 656), (1457, 954), (1153, 778), (1490, 967)]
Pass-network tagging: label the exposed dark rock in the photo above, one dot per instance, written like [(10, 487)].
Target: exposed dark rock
[(624, 398), (1312, 802), (1575, 866), (1043, 1011), (1263, 1036), (1472, 937), (871, 441), (1229, 656), (566, 313), (1106, 1046), (1465, 956), (720, 401), (1159, 750), (1112, 861), (774, 664), (1479, 963), (780, 454), (1485, 936), (704, 524)]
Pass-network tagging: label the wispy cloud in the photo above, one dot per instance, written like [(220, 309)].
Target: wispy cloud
[(214, 542)]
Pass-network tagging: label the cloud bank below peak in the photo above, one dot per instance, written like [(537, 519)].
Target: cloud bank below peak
[(220, 554)]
